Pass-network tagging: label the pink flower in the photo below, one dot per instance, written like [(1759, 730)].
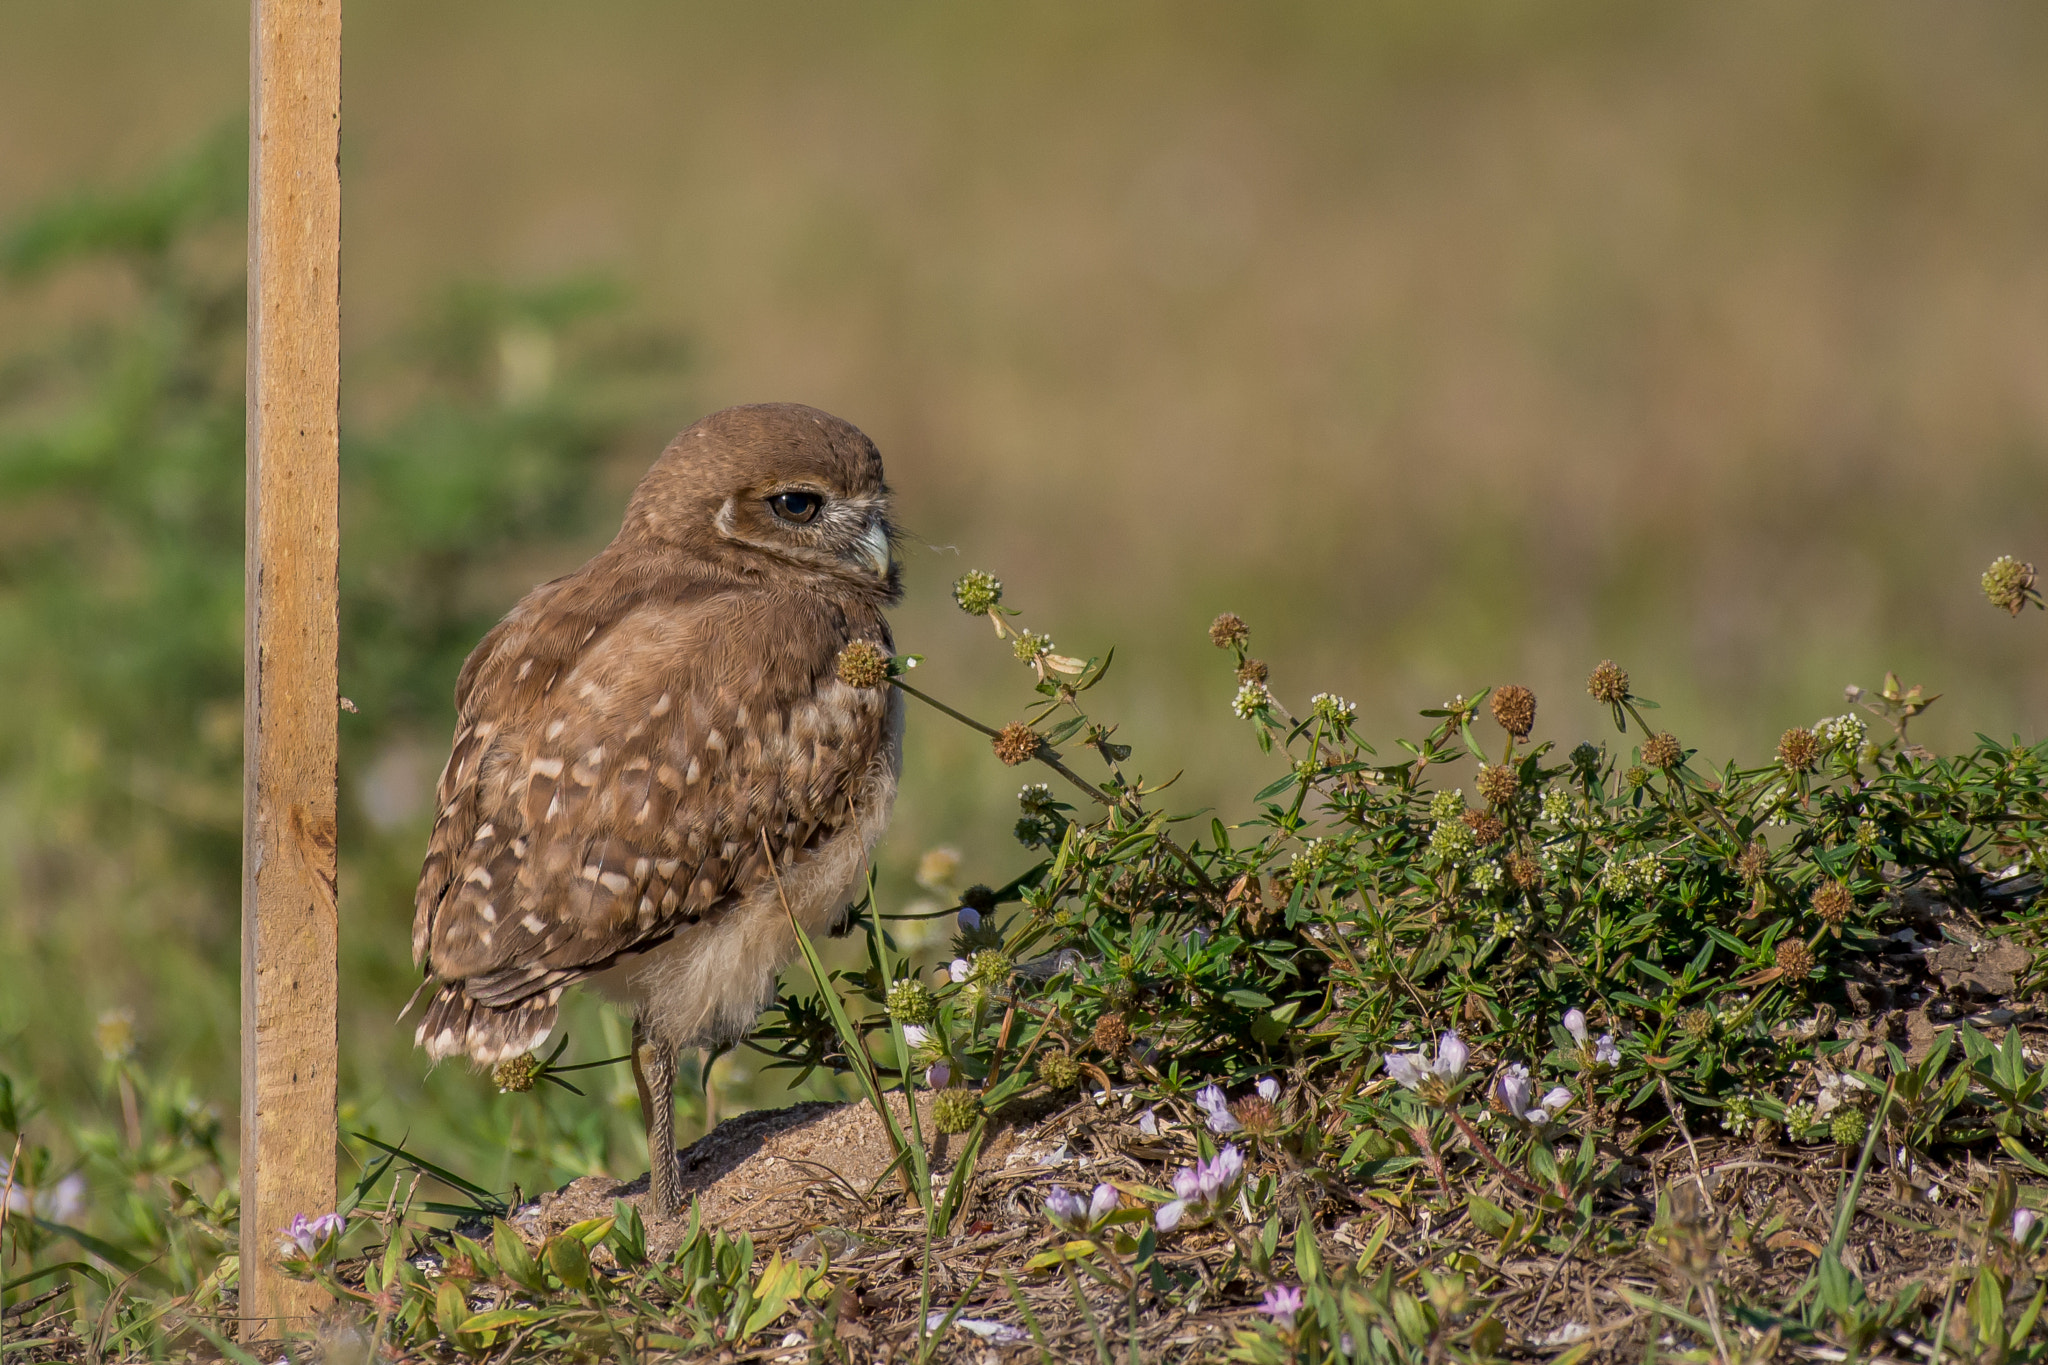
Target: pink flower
[(1282, 1304), (1203, 1190), (311, 1239)]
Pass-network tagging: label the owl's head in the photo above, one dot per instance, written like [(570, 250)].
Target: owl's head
[(766, 487)]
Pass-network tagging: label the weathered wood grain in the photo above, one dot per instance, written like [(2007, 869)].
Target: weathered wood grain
[(290, 706)]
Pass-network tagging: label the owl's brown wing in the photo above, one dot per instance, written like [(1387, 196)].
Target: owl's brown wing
[(618, 766)]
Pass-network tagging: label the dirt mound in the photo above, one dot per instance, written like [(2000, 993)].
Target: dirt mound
[(774, 1174)]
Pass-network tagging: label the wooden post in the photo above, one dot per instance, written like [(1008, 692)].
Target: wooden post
[(290, 698)]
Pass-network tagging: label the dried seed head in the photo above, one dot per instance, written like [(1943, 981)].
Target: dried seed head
[(1527, 872), (1228, 630), (1798, 749), (863, 664), (1486, 829), (1059, 1071), (2009, 584), (515, 1075), (1258, 1115), (1752, 863), (1696, 1023), (1498, 783), (1112, 1033), (1514, 706), (955, 1110), (1663, 751), (1794, 957), (1833, 902), (1252, 671), (1016, 743), (977, 592), (1608, 683)]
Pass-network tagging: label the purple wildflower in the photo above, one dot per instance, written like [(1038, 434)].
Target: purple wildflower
[(1282, 1303)]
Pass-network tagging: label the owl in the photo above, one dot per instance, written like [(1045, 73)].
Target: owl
[(656, 765)]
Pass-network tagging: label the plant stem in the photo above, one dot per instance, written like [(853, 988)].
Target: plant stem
[(1049, 756)]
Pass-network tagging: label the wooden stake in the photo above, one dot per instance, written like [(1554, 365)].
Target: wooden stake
[(290, 699)]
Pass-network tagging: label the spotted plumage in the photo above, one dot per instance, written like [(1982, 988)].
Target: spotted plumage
[(637, 741)]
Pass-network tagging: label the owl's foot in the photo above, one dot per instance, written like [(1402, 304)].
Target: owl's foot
[(654, 1073)]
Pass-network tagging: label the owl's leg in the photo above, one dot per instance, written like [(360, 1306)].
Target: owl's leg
[(654, 1072)]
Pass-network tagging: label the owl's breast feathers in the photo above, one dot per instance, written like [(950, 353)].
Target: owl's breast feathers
[(621, 758)]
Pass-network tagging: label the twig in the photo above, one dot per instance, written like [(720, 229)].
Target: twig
[(1678, 1117), (1480, 1146)]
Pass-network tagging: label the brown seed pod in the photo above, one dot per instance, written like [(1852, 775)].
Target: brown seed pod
[(1663, 751), (1259, 1115), (1527, 872), (1227, 630), (1833, 902), (1608, 683), (1113, 1034), (1486, 829), (1794, 958), (1252, 670), (1498, 783), (1514, 706), (1798, 748), (1016, 743), (1753, 862)]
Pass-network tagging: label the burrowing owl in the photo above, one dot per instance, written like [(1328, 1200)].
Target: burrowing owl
[(636, 741)]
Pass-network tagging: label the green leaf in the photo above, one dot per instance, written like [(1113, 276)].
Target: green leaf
[(780, 1282), (451, 1309), (513, 1258), (628, 1235), (566, 1257), (2017, 1150), (1489, 1217)]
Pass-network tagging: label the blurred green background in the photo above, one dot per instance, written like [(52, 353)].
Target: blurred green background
[(1448, 343)]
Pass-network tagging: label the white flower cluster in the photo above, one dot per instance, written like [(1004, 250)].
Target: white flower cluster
[(1452, 839), (1445, 805), (1312, 855), (1332, 708), (1557, 805), (1251, 699), (1633, 876), (1036, 799), (1485, 876), (1843, 731)]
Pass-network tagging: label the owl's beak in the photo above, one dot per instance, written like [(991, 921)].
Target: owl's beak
[(874, 544)]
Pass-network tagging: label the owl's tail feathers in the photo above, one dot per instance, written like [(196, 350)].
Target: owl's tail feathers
[(459, 1026)]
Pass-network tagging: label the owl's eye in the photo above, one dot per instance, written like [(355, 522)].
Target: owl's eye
[(797, 507)]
